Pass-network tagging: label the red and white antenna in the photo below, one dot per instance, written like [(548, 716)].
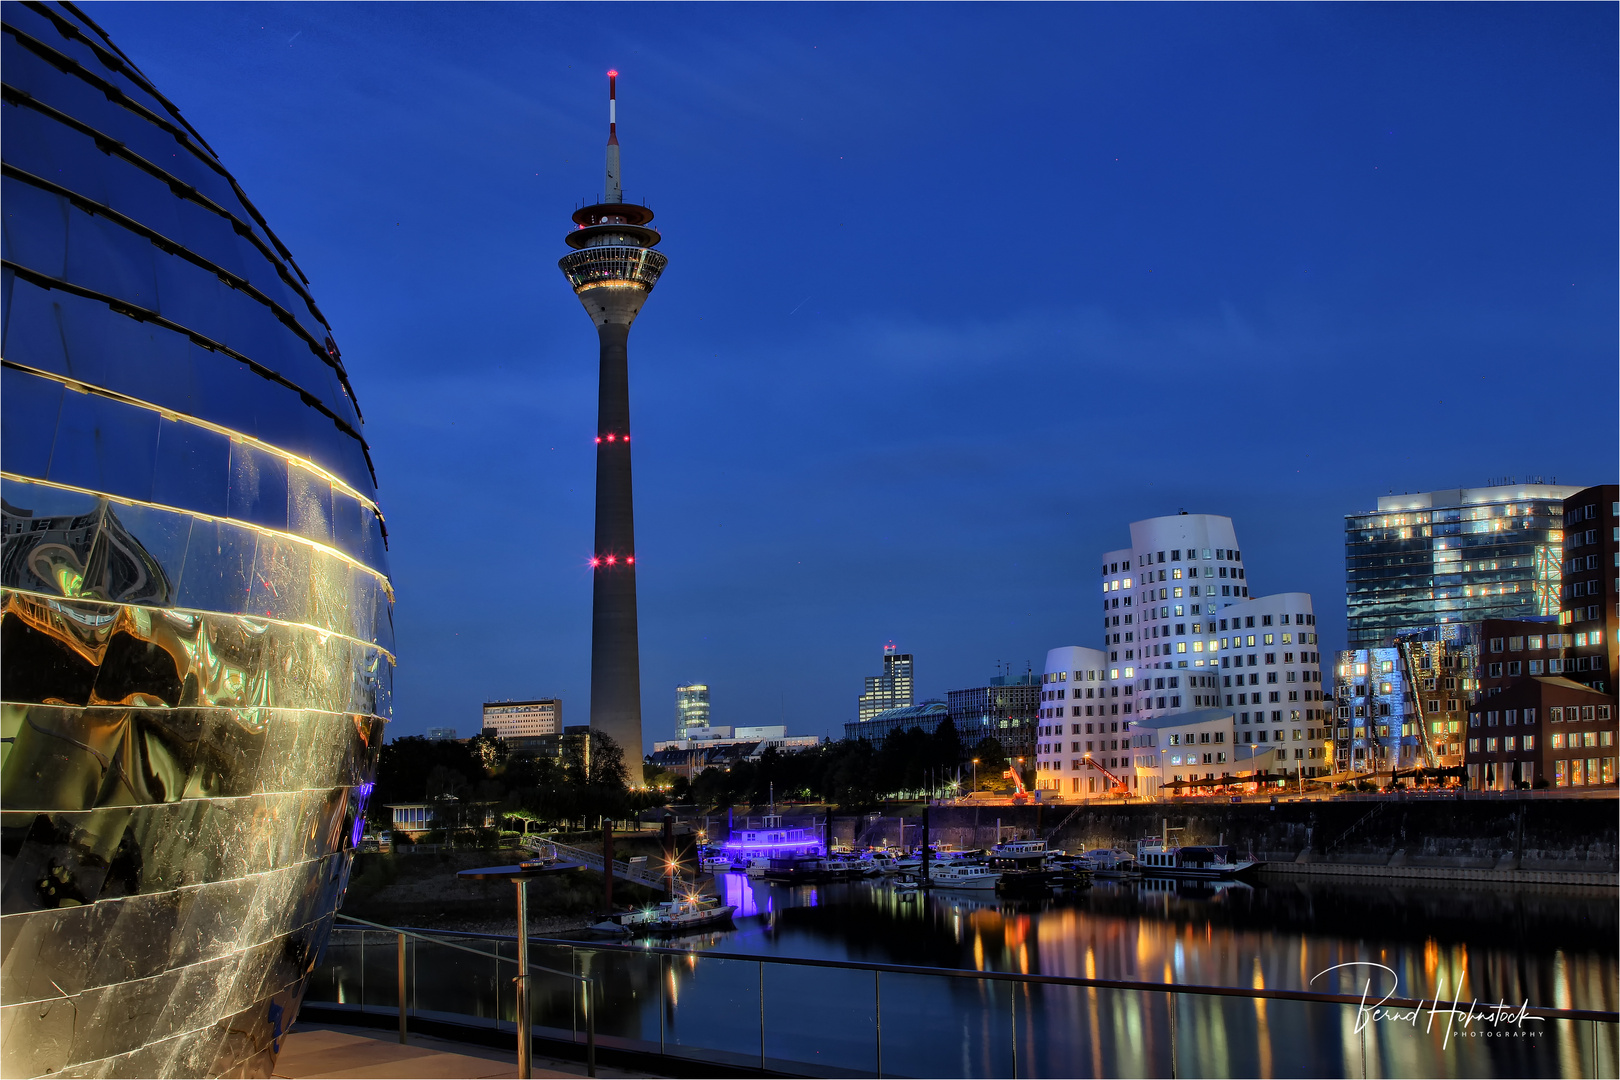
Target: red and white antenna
[(612, 191)]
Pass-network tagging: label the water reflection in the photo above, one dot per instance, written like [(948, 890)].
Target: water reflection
[(1511, 944)]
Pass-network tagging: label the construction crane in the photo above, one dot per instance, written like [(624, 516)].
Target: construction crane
[(1020, 795), (1414, 700), (1120, 788)]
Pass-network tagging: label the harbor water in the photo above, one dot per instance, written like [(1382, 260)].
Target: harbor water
[(1446, 945)]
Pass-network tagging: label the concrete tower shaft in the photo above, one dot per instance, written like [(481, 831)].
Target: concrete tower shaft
[(612, 269)]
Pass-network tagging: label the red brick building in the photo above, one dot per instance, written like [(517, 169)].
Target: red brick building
[(1541, 731)]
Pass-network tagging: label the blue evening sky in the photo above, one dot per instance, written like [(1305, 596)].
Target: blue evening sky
[(955, 293)]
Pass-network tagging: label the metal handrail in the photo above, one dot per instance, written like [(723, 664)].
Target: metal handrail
[(1016, 977), (525, 1062), (428, 936)]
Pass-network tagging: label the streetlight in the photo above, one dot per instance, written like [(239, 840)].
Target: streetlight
[(975, 774)]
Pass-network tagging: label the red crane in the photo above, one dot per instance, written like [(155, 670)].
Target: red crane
[(1019, 794), (1120, 788)]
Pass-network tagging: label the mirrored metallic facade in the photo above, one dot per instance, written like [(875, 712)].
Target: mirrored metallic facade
[(195, 609)]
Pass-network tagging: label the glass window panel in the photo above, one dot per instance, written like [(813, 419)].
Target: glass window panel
[(110, 349), (33, 406), (348, 524), (198, 300), (309, 501), (214, 238), (105, 445), (49, 534), (33, 334), (145, 550), (377, 550), (32, 23), (364, 594), (385, 627), (281, 579), (221, 391), (137, 193), (53, 150), (35, 227), (219, 563), (193, 468), (110, 259), (258, 486)]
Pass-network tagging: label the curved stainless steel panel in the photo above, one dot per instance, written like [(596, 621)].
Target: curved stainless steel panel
[(195, 610)]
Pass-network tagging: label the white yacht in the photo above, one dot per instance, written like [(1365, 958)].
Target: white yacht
[(961, 874)]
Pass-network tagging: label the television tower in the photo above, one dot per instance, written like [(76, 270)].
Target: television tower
[(612, 269)]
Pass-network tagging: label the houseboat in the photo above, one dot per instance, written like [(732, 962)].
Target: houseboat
[(1111, 863), (805, 870), (1157, 857), (1024, 865)]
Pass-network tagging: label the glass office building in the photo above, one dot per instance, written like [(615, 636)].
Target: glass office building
[(195, 605), (890, 690), (1422, 561), (691, 708)]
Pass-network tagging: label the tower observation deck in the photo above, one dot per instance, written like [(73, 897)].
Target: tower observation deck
[(612, 269)]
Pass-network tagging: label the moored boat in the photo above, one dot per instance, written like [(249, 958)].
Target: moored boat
[(963, 875), (1111, 863), (668, 917), (1156, 856)]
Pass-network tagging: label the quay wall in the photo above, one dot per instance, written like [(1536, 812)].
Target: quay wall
[(1548, 841)]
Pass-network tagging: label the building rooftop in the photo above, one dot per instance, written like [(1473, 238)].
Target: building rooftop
[(1182, 719), (1425, 500)]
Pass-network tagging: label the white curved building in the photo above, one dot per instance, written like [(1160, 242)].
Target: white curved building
[(1181, 633)]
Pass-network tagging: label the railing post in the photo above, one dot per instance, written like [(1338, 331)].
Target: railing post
[(590, 1027), (877, 1001), (525, 1061), (1172, 1003), (661, 1005), (1012, 994), (762, 1016), (402, 988)]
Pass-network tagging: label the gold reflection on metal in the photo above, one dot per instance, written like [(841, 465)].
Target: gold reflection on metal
[(181, 790), (324, 550)]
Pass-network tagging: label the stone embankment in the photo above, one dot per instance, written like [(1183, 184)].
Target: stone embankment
[(1532, 841)]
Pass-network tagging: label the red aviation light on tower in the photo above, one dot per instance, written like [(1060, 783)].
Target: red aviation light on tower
[(613, 107)]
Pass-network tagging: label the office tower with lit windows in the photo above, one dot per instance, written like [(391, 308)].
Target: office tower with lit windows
[(890, 690), (1182, 633), (691, 708), (1004, 709), (1423, 561), (612, 269)]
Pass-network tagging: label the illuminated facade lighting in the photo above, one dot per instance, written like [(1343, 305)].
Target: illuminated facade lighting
[(1171, 649), (189, 516), (1422, 561)]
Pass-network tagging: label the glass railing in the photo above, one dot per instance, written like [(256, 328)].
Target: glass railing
[(836, 1018)]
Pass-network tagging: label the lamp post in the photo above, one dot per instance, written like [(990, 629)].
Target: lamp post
[(975, 774)]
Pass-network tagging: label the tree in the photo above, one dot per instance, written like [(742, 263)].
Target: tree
[(489, 751), (992, 758)]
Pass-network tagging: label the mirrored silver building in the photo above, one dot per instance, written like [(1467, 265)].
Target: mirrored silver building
[(194, 598)]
